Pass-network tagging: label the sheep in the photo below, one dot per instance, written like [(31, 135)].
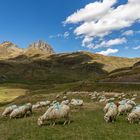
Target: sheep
[(66, 102), (134, 116), (76, 102), (125, 106), (8, 110), (57, 111), (21, 111), (41, 104), (35, 106), (65, 97), (107, 106), (133, 99), (44, 103), (111, 113)]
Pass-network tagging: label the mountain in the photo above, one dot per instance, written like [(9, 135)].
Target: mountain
[(60, 68), (39, 47), (128, 74), (8, 50)]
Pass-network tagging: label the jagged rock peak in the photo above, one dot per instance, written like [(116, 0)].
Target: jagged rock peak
[(42, 46)]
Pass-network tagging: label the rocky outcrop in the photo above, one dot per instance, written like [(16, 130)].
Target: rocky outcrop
[(39, 47)]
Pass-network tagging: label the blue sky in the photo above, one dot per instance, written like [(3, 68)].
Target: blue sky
[(26, 21)]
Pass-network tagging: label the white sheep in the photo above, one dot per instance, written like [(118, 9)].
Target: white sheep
[(111, 114), (57, 111), (134, 116), (8, 110), (77, 102), (41, 104), (66, 102), (21, 111), (125, 106), (107, 106)]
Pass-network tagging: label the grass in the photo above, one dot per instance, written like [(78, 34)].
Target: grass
[(9, 94), (87, 123)]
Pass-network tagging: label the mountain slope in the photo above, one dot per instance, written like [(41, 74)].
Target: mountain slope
[(128, 74), (60, 68)]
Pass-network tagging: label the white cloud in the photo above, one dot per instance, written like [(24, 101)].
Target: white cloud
[(91, 11), (108, 51), (99, 19), (136, 48), (87, 42), (128, 33), (66, 34), (111, 42)]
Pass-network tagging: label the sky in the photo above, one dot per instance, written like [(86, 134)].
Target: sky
[(108, 27)]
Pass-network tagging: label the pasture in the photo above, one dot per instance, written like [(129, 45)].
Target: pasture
[(86, 123)]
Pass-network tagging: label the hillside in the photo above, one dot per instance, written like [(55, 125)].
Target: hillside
[(128, 74), (60, 68)]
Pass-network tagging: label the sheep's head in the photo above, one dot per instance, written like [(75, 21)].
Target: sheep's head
[(106, 118), (129, 118), (40, 121)]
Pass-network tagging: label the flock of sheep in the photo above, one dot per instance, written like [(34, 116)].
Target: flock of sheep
[(55, 110), (115, 105)]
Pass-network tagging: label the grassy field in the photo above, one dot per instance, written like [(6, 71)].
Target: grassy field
[(87, 123)]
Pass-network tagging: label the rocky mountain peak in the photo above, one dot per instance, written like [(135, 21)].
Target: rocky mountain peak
[(41, 46)]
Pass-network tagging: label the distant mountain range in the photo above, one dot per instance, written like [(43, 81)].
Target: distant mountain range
[(39, 64), (10, 50)]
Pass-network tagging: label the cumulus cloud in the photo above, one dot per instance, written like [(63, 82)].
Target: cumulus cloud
[(92, 11), (108, 51), (111, 42), (99, 19), (136, 48), (87, 42), (128, 33)]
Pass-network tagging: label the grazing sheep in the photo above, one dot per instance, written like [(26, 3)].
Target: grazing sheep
[(43, 103), (125, 106), (107, 106), (111, 113), (35, 106), (76, 102), (133, 99), (66, 102), (21, 111), (8, 110), (135, 95), (57, 111), (65, 97), (134, 116)]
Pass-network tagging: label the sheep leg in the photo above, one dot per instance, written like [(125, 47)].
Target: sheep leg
[(53, 123), (65, 122)]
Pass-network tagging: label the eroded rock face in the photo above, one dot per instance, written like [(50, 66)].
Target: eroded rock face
[(11, 50), (39, 47)]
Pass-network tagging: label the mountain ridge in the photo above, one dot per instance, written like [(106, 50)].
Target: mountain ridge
[(11, 50)]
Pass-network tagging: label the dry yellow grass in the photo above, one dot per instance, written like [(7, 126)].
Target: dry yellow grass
[(9, 94)]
